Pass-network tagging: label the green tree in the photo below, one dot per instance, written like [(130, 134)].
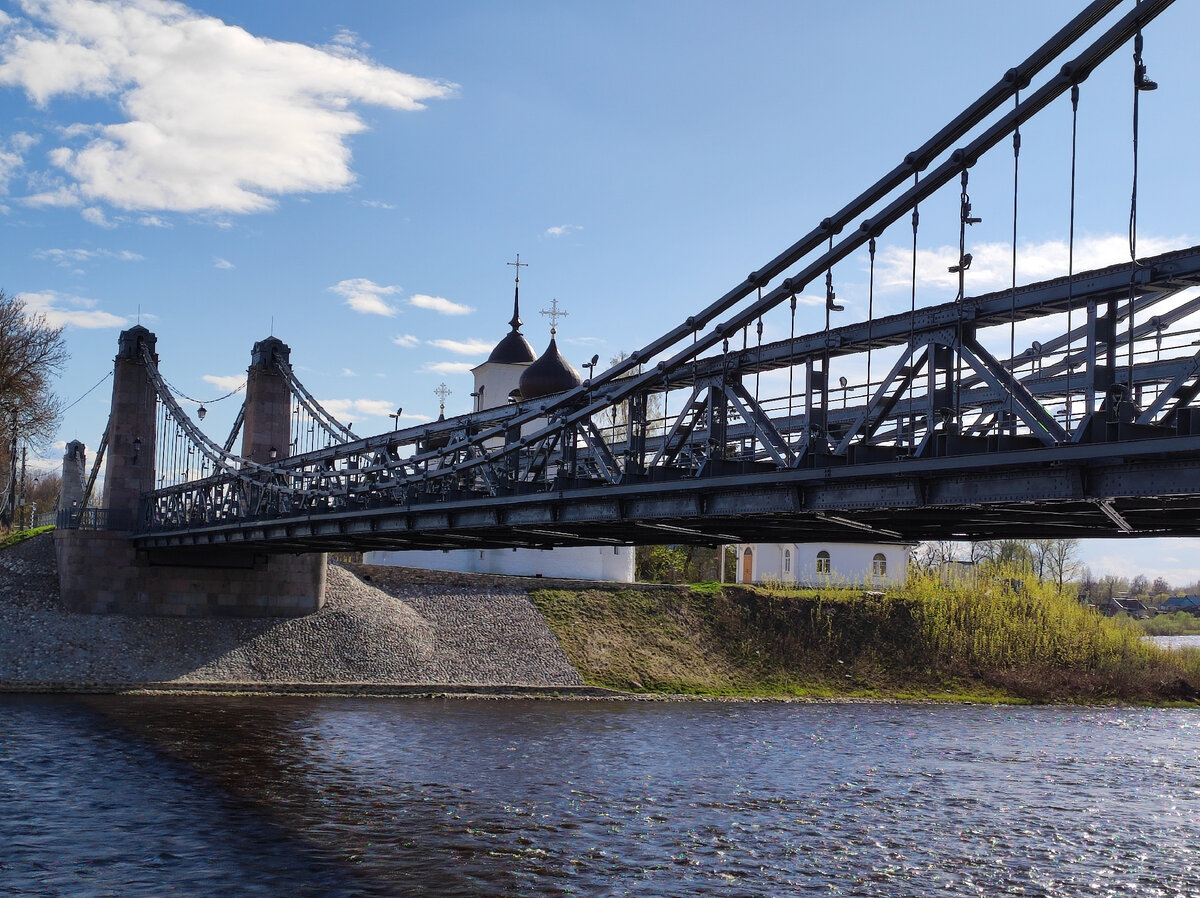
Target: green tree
[(660, 564)]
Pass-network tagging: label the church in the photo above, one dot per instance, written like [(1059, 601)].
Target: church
[(512, 373)]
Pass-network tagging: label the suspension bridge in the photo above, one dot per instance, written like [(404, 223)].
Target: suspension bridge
[(935, 423)]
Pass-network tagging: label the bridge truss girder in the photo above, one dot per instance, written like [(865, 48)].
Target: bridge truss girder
[(722, 430), (1143, 487), (950, 401)]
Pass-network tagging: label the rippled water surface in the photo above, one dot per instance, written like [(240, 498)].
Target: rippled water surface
[(1187, 641), (241, 796)]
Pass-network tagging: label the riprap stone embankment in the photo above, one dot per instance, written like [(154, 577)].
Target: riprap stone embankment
[(439, 636)]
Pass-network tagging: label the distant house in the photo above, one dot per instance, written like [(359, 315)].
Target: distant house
[(1190, 604), (1123, 605)]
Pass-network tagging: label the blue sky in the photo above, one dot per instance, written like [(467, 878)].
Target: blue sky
[(353, 176)]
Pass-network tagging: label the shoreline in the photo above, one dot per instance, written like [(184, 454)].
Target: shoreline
[(397, 633)]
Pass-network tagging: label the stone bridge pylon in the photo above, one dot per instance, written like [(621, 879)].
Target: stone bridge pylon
[(100, 570)]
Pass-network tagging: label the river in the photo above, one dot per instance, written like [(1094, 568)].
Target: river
[(299, 796)]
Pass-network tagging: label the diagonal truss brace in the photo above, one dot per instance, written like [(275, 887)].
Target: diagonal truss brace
[(771, 439), (884, 399), (1024, 405), (1174, 390), (605, 461)]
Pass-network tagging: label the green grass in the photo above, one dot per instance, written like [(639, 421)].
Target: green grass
[(1179, 623), (12, 537), (982, 641)]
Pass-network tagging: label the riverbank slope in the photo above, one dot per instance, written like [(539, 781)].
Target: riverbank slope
[(425, 636), (978, 641), (397, 630)]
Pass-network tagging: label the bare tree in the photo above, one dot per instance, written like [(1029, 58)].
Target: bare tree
[(1057, 560), (932, 555), (31, 354)]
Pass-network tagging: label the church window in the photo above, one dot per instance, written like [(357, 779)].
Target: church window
[(823, 566), (787, 561), (879, 565)]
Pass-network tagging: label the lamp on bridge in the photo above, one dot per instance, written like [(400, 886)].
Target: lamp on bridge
[(201, 412), (396, 418), (137, 448), (591, 366), (273, 453)]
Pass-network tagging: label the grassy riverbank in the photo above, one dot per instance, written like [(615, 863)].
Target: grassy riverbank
[(985, 641), (12, 537), (1181, 623)]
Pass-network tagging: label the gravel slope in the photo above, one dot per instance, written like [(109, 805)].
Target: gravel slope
[(424, 634)]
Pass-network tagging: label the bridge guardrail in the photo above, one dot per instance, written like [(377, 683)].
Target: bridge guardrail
[(93, 519)]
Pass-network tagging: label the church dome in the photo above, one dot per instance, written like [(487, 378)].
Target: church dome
[(514, 349), (550, 374)]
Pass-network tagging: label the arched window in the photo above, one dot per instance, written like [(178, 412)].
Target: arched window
[(879, 565), (748, 566), (787, 561), (823, 566)]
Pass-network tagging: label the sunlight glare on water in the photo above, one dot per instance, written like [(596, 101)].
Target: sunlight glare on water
[(314, 796)]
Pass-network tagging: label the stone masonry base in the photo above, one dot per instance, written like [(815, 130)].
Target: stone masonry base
[(100, 572)]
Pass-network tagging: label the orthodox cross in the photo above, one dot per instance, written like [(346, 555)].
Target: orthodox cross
[(441, 393), (518, 265), (516, 322), (553, 313)]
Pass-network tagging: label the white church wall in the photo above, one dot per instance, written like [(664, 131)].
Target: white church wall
[(493, 382), (852, 564), (568, 563)]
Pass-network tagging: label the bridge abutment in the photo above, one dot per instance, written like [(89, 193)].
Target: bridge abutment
[(101, 572)]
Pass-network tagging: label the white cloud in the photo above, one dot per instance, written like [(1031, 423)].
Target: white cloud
[(991, 264), (58, 197), (95, 215), (448, 367), (563, 230), (223, 264), (11, 159), (377, 204), (357, 410), (211, 117), (439, 304), (347, 372), (67, 258), (406, 340), (70, 311), (463, 347), (228, 383), (152, 221), (365, 296)]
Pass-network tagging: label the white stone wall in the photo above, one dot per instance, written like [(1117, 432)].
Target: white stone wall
[(851, 564), (495, 381), (570, 563)]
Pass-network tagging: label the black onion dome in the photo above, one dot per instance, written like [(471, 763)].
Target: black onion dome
[(549, 374), (514, 349)]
